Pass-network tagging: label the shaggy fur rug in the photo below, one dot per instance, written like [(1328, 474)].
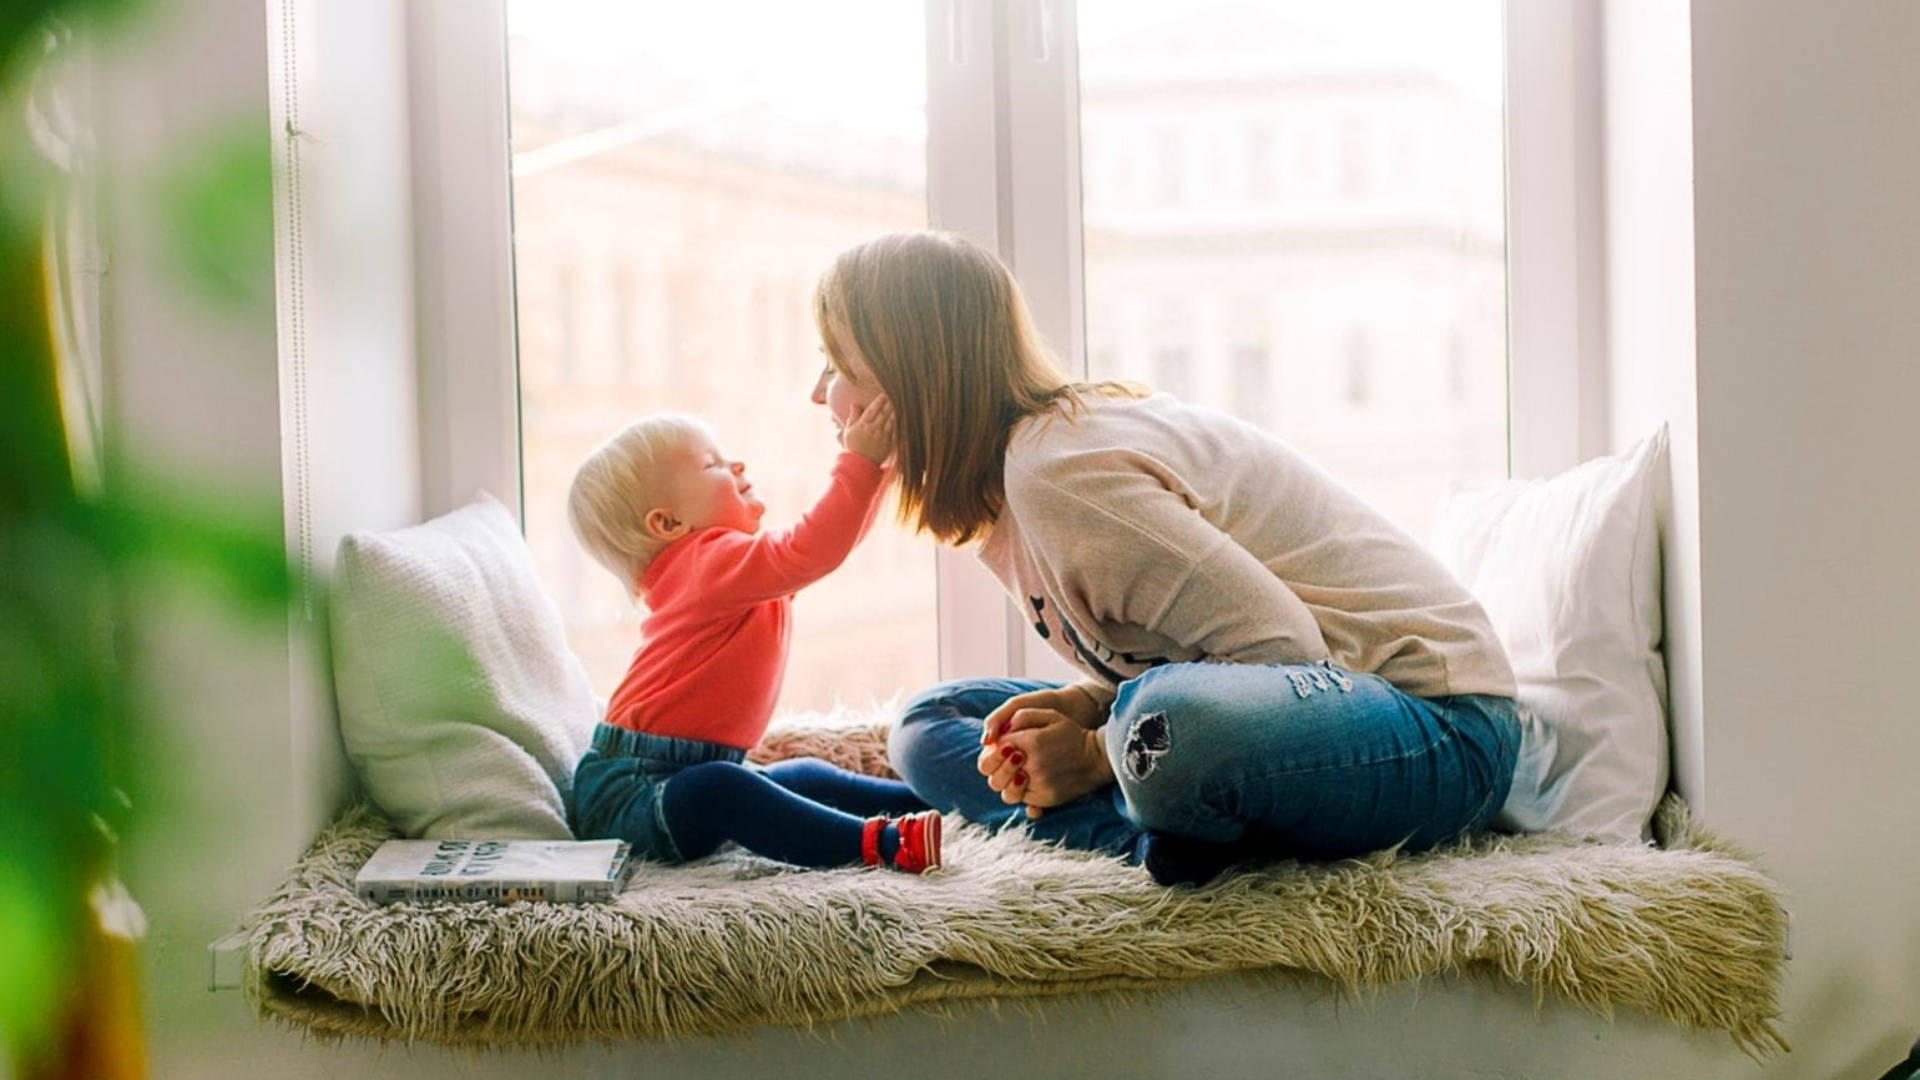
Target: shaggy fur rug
[(1692, 932)]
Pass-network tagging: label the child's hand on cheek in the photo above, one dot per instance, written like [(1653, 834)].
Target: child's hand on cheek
[(869, 431)]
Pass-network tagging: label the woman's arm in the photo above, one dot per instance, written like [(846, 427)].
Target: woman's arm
[(749, 568)]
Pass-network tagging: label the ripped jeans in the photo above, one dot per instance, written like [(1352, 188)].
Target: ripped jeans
[(1300, 761)]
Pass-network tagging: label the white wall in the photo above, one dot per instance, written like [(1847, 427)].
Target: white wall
[(194, 391), (304, 408), (1807, 249), (1771, 313)]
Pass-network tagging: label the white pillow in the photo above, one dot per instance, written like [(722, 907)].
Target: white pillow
[(1568, 569), (460, 703)]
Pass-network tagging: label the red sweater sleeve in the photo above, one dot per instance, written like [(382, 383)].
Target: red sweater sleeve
[(749, 568)]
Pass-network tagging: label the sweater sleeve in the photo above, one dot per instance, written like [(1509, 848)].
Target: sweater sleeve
[(750, 568), (1136, 552)]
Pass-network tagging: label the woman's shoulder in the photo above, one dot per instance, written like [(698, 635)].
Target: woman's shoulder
[(1091, 419), (1109, 441), (1158, 426)]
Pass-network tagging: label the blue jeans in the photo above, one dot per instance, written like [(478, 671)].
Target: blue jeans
[(1304, 761), (617, 787), (676, 799)]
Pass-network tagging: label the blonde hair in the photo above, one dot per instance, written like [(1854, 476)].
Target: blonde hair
[(616, 486), (943, 326)]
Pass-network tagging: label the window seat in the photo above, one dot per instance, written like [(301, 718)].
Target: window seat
[(1691, 932)]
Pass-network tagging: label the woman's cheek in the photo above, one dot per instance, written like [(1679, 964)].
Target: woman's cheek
[(841, 401)]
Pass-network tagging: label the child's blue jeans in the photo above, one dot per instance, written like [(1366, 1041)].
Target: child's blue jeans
[(677, 799), (1302, 761)]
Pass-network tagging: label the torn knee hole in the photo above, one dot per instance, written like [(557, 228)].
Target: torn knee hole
[(1148, 740)]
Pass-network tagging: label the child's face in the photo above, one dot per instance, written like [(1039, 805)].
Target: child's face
[(704, 488)]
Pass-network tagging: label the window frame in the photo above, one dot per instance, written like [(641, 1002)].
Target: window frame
[(1003, 145), (465, 322)]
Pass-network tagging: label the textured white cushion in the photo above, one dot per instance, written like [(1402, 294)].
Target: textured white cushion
[(1568, 569), (460, 703)]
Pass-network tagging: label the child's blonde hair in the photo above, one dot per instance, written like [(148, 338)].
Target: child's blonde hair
[(616, 486)]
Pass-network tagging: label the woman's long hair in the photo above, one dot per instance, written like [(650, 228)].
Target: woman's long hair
[(942, 325)]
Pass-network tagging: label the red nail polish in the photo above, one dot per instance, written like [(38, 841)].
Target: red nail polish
[(1016, 758), (1019, 779)]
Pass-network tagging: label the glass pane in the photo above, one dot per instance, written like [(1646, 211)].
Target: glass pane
[(1295, 212), (682, 175)]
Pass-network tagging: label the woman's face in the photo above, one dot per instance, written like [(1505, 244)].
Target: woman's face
[(844, 395)]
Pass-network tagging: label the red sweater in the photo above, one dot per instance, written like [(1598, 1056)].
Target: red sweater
[(720, 605)]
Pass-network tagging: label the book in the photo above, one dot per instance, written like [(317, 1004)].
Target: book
[(497, 871)]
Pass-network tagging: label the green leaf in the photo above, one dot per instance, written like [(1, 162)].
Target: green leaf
[(37, 963), (218, 207)]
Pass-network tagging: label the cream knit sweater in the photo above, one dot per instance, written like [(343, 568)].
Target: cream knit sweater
[(1139, 532)]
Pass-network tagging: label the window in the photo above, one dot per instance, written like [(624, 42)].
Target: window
[(625, 348), (1359, 368), (566, 316), (1253, 385), (1060, 134), (734, 165), (1170, 167), (1458, 361), (1356, 165), (1259, 164), (1172, 371), (1371, 279)]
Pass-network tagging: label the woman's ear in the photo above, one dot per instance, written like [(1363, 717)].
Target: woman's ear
[(661, 524)]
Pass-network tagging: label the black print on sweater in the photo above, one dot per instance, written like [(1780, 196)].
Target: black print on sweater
[(1094, 657)]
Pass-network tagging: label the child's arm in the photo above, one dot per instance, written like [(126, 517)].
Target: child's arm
[(748, 569)]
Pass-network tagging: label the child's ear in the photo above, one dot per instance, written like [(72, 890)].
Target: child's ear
[(662, 524)]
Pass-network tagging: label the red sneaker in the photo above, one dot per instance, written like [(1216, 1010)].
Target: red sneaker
[(919, 842)]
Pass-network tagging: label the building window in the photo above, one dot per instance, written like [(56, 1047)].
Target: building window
[(1170, 188), (1458, 362), (567, 310), (1358, 385), (1355, 180), (626, 295), (1172, 371), (1306, 153), (1253, 385), (1259, 164), (760, 322)]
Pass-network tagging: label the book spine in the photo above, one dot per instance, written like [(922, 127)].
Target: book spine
[(559, 892), (384, 892), (496, 892)]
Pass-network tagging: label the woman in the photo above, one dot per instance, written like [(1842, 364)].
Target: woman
[(1271, 667)]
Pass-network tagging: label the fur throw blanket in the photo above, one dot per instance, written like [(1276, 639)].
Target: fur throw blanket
[(1692, 932)]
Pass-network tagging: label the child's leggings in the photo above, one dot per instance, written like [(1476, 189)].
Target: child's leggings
[(677, 799)]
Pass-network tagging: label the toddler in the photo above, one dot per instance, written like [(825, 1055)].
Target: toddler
[(678, 522)]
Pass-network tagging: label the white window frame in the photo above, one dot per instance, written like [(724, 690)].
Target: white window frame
[(1556, 244), (1003, 168), (463, 253)]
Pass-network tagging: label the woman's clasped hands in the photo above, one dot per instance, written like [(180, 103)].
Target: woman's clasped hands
[(1044, 748)]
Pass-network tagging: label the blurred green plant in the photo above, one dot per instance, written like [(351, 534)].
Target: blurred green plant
[(68, 554), (221, 241)]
